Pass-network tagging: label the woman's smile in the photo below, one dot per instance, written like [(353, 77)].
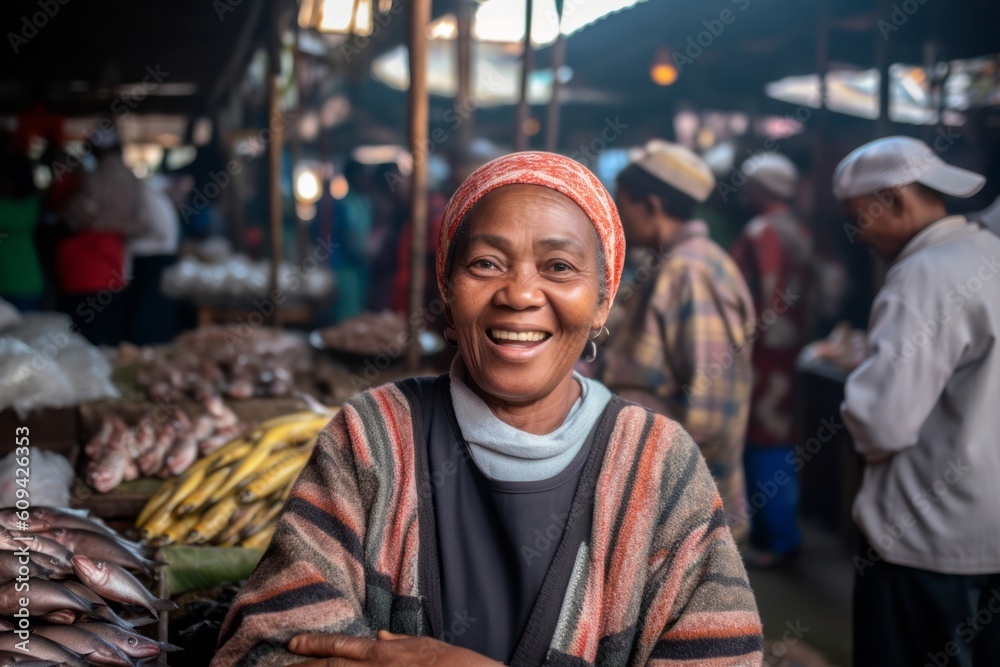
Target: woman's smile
[(517, 345)]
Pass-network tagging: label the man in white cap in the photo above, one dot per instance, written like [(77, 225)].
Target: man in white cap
[(924, 411), (775, 253), (679, 337)]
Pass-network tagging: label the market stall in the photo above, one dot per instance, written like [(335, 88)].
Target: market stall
[(173, 460)]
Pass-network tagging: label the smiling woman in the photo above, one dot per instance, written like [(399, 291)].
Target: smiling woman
[(510, 511)]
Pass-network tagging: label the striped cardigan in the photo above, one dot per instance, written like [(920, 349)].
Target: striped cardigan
[(659, 582)]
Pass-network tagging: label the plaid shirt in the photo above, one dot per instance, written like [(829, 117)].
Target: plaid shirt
[(681, 333)]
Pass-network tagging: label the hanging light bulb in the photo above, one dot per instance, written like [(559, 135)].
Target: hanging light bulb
[(663, 72)]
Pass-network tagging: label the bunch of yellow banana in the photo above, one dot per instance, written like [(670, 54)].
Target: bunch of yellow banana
[(234, 495)]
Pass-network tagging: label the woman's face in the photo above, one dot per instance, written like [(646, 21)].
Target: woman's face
[(523, 293)]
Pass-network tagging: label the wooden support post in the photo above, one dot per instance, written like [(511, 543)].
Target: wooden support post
[(465, 98), (523, 109), (552, 122), (419, 112), (822, 196), (302, 243), (558, 60), (274, 155), (883, 126)]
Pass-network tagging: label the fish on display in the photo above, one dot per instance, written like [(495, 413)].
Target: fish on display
[(130, 643), (115, 583), (42, 649), (97, 546), (45, 596), (64, 518), (101, 609), (10, 567), (57, 568), (85, 643), (60, 617), (21, 659), (9, 520), (37, 543), (84, 532)]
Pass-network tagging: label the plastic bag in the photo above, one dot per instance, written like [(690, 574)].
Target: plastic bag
[(45, 365), (49, 475), (9, 315), (88, 372), (30, 380)]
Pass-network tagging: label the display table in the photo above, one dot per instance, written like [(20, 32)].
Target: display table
[(831, 470)]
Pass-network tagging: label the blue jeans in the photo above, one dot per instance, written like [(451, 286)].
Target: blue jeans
[(772, 497)]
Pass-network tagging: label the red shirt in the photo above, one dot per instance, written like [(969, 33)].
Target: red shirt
[(90, 262), (775, 254)]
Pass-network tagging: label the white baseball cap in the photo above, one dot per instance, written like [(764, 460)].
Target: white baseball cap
[(775, 172), (896, 161), (676, 166)]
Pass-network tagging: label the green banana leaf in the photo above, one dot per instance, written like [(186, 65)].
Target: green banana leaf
[(199, 568)]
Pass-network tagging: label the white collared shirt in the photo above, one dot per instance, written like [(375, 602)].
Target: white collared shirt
[(924, 407)]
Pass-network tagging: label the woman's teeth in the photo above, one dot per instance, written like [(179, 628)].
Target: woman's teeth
[(527, 336)]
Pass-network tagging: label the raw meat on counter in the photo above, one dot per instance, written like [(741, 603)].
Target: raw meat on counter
[(236, 361), (367, 334), (159, 443)]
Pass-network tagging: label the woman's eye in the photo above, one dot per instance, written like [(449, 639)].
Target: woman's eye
[(560, 267), (483, 264)]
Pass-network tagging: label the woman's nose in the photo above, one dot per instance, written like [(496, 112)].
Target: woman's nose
[(520, 290)]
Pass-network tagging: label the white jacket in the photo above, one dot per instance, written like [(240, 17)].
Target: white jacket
[(924, 407)]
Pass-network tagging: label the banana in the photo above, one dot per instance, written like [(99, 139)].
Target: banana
[(286, 419), (278, 436), (293, 432), (186, 486), (213, 520), (178, 532), (208, 462), (263, 520), (246, 515), (232, 455), (259, 540), (201, 495), (157, 515), (205, 504), (275, 473), (161, 496), (158, 523)]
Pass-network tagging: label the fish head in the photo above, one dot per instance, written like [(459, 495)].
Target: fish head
[(53, 564), (140, 647), (90, 570)]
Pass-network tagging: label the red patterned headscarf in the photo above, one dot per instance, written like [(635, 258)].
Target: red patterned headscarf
[(549, 170)]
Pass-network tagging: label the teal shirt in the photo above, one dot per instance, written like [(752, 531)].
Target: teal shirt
[(20, 272)]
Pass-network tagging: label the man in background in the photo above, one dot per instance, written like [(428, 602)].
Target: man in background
[(923, 411), (91, 261), (152, 315), (679, 332), (775, 253)]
